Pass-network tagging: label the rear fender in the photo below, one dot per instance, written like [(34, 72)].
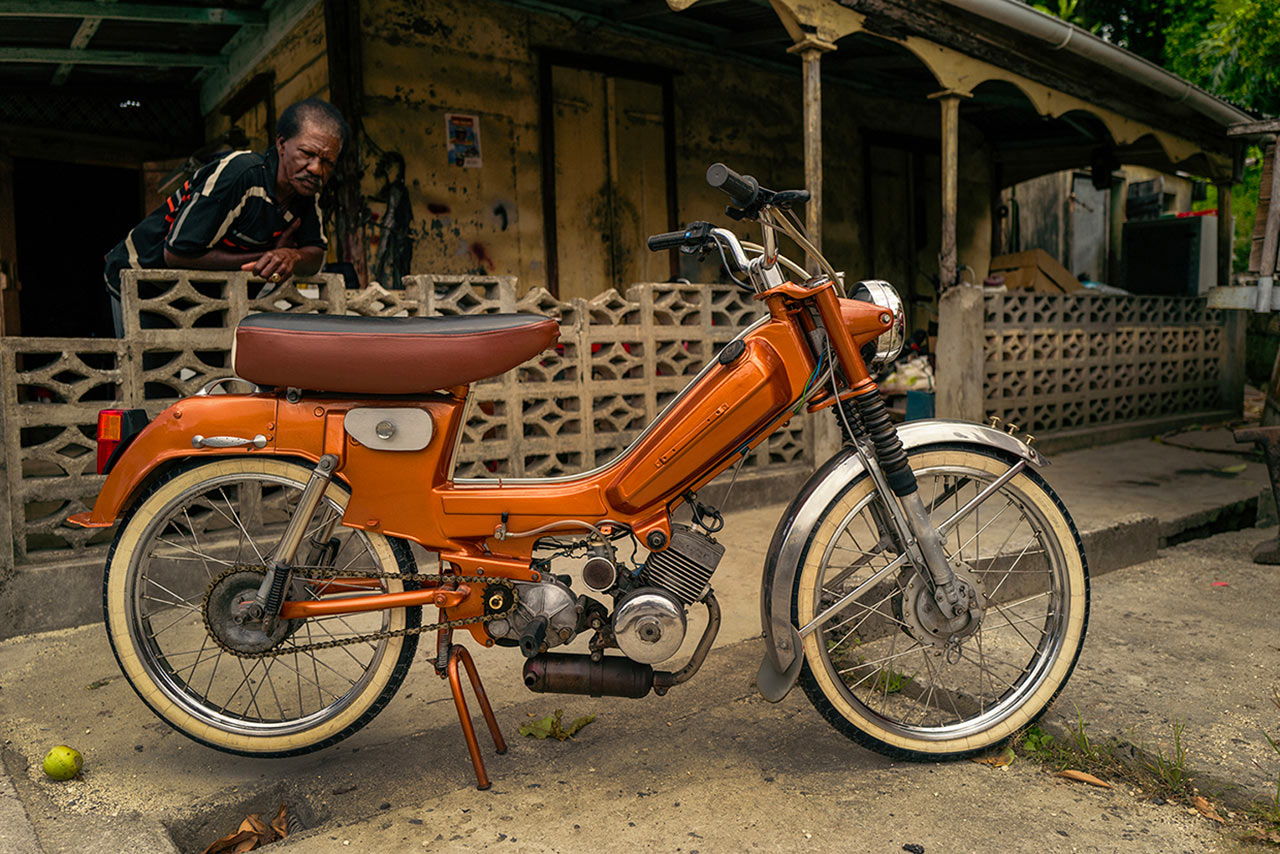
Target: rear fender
[(798, 525), (169, 438)]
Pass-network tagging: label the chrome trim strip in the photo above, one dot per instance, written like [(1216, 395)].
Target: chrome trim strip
[(565, 478)]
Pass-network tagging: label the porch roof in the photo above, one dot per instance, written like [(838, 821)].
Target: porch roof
[(1046, 95)]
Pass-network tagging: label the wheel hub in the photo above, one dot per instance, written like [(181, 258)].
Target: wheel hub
[(931, 619), (233, 616)]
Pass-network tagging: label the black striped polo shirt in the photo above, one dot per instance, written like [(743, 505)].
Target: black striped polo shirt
[(229, 203)]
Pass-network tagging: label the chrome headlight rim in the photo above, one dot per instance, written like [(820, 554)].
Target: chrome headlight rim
[(885, 296)]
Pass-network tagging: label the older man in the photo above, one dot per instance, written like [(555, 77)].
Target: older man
[(244, 211)]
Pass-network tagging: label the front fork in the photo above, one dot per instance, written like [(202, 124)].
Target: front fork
[(878, 446)]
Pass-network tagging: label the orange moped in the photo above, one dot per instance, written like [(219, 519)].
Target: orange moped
[(926, 587)]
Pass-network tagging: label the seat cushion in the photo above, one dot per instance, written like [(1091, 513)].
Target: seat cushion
[(385, 355)]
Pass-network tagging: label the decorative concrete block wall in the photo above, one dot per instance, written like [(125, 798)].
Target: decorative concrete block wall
[(620, 359)]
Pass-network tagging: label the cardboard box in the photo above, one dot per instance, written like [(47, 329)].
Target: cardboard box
[(1034, 270)]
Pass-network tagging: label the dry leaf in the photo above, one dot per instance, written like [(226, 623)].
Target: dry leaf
[(252, 833), (996, 760), (1206, 809), (1082, 777)]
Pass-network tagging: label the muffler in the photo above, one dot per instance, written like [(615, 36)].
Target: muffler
[(612, 676)]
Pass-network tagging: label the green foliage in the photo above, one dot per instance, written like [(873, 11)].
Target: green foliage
[(1083, 744), (552, 727), (1039, 745), (1234, 54), (1136, 25), (889, 681), (1170, 769), (1229, 47), (1069, 11)]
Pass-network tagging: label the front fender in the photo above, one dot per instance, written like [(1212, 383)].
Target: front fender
[(782, 658), (169, 437)]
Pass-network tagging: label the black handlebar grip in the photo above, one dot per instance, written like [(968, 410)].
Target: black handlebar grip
[(668, 240), (741, 189)]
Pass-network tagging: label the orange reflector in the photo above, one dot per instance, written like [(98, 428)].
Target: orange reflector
[(109, 421), (109, 427)]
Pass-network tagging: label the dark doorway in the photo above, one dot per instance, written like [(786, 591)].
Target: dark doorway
[(67, 216)]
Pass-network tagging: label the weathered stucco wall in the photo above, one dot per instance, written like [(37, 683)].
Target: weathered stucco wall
[(423, 60)]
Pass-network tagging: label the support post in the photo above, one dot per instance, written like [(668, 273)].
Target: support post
[(961, 379), (949, 100), (1226, 233), (1267, 268), (826, 436), (811, 50), (346, 92), (1235, 323)]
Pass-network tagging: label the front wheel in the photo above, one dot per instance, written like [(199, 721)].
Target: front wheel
[(886, 668), (189, 556)]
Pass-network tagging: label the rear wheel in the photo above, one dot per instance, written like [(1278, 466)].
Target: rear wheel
[(887, 669), (184, 563)]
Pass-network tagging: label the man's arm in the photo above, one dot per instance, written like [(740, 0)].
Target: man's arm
[(285, 260)]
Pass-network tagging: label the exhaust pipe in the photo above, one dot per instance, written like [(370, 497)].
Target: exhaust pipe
[(612, 676)]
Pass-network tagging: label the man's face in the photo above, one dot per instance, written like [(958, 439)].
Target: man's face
[(308, 159)]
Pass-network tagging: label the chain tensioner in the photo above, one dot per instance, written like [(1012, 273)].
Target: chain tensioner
[(245, 624)]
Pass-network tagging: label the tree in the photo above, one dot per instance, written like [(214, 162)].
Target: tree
[(1235, 54)]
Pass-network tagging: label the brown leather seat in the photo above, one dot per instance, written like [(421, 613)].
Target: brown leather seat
[(385, 355)]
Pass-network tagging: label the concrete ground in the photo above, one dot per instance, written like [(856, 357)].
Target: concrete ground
[(712, 766)]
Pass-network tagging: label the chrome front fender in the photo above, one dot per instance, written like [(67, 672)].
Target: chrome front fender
[(782, 658)]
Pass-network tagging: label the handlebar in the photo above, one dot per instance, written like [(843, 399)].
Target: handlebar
[(742, 190), (693, 237), (751, 201)]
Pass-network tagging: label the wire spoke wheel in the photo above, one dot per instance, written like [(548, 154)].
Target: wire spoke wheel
[(189, 557), (887, 668)]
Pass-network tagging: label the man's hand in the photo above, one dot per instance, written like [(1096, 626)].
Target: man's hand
[(275, 264), (279, 261)]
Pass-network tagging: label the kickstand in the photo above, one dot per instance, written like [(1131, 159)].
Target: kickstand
[(450, 654)]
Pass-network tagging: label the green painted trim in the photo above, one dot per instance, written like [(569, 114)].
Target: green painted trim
[(129, 12), (58, 56)]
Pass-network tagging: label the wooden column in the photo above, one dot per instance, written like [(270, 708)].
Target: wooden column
[(346, 92), (811, 50), (1235, 323), (961, 379), (950, 102), (1226, 233)]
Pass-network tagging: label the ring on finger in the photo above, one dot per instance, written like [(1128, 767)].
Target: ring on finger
[(275, 277)]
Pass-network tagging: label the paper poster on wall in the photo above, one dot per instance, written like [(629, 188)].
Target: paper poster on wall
[(463, 133)]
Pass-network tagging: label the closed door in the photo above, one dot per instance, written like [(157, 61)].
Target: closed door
[(610, 181)]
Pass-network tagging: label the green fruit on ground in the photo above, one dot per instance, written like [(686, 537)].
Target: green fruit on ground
[(62, 762)]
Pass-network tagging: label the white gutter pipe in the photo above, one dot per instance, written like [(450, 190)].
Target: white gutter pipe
[(1063, 36)]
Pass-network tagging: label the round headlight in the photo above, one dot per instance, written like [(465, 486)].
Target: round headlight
[(890, 342)]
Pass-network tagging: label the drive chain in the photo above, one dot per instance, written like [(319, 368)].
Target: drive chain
[(372, 636)]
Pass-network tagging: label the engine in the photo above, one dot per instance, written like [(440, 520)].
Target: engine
[(685, 567), (649, 623), (546, 616)]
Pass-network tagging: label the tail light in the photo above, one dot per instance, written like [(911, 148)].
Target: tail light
[(116, 429)]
